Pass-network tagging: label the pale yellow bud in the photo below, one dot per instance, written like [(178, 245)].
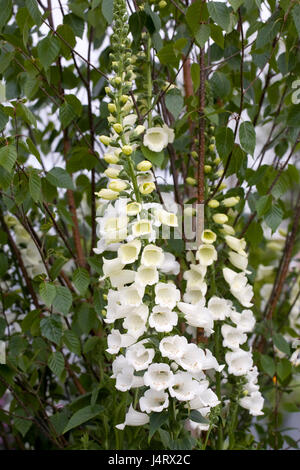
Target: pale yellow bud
[(112, 173), (191, 181), (118, 128), (217, 160), (105, 139), (162, 4), (146, 188), (124, 99), (144, 166), (212, 147), (117, 185), (213, 203), (110, 158), (139, 129), (107, 194), (231, 201), (220, 218), (207, 169), (127, 150), (112, 107), (133, 208)]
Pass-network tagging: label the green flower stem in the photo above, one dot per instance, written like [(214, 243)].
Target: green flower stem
[(149, 81), (218, 381), (233, 421)]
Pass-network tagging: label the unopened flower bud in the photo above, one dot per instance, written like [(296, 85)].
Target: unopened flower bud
[(194, 154), (217, 160), (111, 158), (118, 128), (105, 139), (220, 218), (162, 4), (124, 99), (147, 188), (117, 185), (231, 201), (112, 107), (211, 147), (144, 166), (139, 129), (112, 172), (207, 169), (127, 150), (213, 203), (191, 181), (107, 194)]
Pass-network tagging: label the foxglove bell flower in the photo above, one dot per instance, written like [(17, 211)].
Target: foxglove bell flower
[(133, 418), (154, 400), (162, 319)]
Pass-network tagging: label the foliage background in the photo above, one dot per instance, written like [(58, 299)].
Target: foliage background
[(55, 386)]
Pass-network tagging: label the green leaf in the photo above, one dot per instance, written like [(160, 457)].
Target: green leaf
[(219, 13), (35, 185), (167, 56), (3, 119), (284, 369), (58, 177), (236, 4), (202, 35), (76, 23), (72, 342), (22, 425), (63, 300), (195, 15), (67, 39), (157, 158), (267, 364), (32, 149), (197, 417), (247, 137), (107, 10), (56, 363), (82, 416), (81, 280), (34, 11), (48, 49), (8, 157), (224, 141), (25, 113), (174, 102), (296, 17), (67, 112), (5, 12), (263, 205), (195, 73), (156, 421), (47, 292), (274, 217), (51, 328), (281, 343)]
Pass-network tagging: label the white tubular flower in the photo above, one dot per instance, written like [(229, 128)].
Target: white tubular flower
[(245, 320), (152, 256), (208, 236), (116, 341), (232, 337), (147, 275), (146, 177), (196, 295), (166, 294), (124, 380), (119, 365), (133, 208), (157, 138), (210, 362), (133, 418), (115, 229), (163, 319), (192, 359), (244, 296), (111, 266), (238, 286), (239, 362), (140, 357), (219, 308), (129, 252), (170, 265), (135, 321), (132, 295), (158, 376), (236, 244), (205, 397), (198, 316), (197, 428), (239, 261), (107, 194), (206, 255), (129, 120), (167, 218), (142, 228), (264, 272), (195, 275), (154, 401), (183, 386), (173, 347), (120, 278), (114, 309), (227, 229), (254, 403)]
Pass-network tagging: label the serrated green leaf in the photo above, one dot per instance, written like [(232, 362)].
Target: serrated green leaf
[(274, 217), (66, 114), (8, 157), (281, 343), (35, 186), (219, 13), (33, 150), (58, 177), (5, 12), (224, 141), (197, 417), (156, 421), (267, 364), (202, 35), (174, 102), (247, 137), (296, 17), (3, 119), (81, 280), (25, 113), (82, 416), (67, 39), (51, 328), (263, 205), (236, 4), (72, 342), (63, 300), (48, 49), (76, 23), (47, 292), (22, 424), (107, 10), (34, 11), (56, 363)]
